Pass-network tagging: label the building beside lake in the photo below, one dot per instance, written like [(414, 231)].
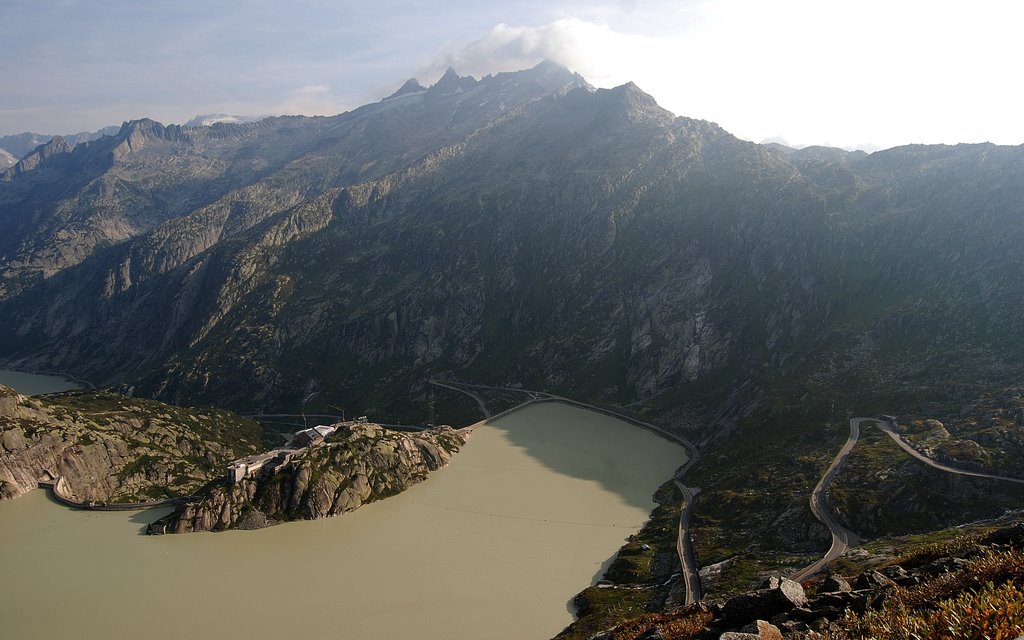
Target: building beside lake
[(313, 435), (274, 460)]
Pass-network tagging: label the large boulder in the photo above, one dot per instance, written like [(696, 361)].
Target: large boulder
[(777, 595), (838, 601), (899, 575), (765, 631), (872, 580), (834, 584), (13, 439), (768, 631)]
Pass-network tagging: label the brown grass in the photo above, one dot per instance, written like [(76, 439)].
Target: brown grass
[(923, 554), (983, 600), (677, 626)]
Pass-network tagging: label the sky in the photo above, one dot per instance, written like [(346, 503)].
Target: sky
[(843, 73)]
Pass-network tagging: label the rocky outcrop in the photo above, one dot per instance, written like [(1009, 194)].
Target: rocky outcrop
[(359, 464), (913, 586), (109, 448)]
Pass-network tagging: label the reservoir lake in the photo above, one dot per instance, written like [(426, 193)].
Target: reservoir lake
[(32, 384), (494, 546)]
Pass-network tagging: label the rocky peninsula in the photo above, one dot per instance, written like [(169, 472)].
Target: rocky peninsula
[(359, 463)]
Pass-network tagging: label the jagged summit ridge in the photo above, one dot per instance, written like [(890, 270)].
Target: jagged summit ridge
[(548, 75), (554, 76), (451, 82)]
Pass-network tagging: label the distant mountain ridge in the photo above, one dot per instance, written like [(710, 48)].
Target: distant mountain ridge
[(17, 146)]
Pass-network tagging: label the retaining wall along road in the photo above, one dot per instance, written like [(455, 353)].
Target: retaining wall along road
[(59, 492)]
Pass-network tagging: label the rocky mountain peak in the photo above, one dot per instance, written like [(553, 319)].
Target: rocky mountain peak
[(412, 85), (56, 146), (635, 94), (548, 65), (451, 82), (553, 76), (630, 102), (144, 126), (134, 134)]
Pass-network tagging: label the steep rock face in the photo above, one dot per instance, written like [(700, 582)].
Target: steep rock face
[(360, 464), (109, 448)]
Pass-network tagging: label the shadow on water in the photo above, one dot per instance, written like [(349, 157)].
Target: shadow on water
[(624, 459), (52, 500), (148, 516)]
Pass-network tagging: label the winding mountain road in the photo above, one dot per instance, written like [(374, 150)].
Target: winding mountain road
[(842, 538), (479, 401), (903, 444)]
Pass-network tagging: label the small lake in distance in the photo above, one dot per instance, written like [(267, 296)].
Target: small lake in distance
[(32, 384)]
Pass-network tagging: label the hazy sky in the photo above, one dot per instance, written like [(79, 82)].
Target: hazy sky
[(811, 71)]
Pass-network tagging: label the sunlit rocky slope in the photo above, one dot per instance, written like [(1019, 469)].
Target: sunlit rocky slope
[(109, 448)]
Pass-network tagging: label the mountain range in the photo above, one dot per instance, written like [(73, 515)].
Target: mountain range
[(523, 227)]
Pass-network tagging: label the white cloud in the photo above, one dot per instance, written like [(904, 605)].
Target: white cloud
[(593, 48), (812, 72)]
